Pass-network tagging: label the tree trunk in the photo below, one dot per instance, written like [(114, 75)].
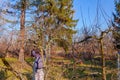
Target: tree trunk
[(22, 30), (103, 60)]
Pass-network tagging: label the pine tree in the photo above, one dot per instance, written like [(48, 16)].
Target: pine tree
[(22, 8), (116, 32), (116, 25), (22, 30), (55, 22)]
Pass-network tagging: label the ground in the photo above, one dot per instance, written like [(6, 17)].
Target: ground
[(58, 68)]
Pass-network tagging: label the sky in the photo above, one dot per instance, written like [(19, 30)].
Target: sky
[(86, 11)]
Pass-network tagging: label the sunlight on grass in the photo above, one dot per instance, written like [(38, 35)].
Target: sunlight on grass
[(58, 69), (21, 69)]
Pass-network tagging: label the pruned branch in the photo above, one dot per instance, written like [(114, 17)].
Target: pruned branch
[(95, 37), (85, 39)]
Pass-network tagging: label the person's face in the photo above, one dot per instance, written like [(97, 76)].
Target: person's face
[(33, 54)]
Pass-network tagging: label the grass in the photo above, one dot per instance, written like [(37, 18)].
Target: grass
[(58, 68), (13, 69)]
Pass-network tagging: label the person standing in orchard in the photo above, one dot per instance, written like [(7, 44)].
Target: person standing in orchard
[(38, 65)]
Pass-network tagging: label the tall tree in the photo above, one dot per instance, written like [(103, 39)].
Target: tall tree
[(55, 22), (22, 8), (22, 30), (116, 31)]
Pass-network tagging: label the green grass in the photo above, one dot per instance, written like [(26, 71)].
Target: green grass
[(58, 68), (14, 69)]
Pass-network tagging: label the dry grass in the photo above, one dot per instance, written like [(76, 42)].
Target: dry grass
[(15, 70)]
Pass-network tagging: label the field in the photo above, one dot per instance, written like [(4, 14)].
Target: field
[(58, 68)]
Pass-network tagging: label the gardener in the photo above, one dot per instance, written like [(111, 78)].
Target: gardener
[(38, 65)]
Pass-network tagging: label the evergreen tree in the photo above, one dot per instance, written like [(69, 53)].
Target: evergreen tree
[(54, 22), (22, 30), (116, 32), (116, 25), (22, 8)]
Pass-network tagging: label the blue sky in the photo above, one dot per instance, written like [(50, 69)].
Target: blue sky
[(87, 9)]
